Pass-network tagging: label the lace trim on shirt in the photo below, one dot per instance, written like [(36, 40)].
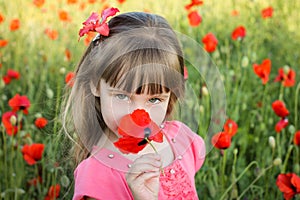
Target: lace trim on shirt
[(176, 184)]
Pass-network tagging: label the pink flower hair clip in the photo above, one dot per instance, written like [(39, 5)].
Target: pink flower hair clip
[(98, 24)]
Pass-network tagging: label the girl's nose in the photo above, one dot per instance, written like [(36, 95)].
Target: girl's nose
[(140, 106)]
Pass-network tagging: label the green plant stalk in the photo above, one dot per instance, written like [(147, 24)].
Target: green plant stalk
[(5, 157), (286, 158), (153, 147), (223, 169), (296, 105), (254, 181), (238, 178)]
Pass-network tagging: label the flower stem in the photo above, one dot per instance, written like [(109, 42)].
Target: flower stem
[(153, 147)]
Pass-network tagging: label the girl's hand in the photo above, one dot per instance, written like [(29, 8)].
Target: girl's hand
[(143, 177)]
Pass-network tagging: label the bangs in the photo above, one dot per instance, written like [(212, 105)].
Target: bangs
[(151, 71)]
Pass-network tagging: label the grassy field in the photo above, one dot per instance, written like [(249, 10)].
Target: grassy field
[(235, 80)]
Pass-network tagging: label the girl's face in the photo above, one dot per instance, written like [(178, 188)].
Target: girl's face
[(116, 103)]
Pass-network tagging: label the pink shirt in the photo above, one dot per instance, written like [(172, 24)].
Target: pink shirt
[(102, 175)]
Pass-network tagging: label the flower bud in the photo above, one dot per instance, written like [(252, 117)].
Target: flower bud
[(272, 142), (277, 161), (62, 70), (65, 181), (13, 120), (245, 61), (201, 109), (204, 91), (292, 129), (286, 69), (49, 93), (235, 151)]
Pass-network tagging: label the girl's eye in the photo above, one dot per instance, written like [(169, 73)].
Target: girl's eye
[(155, 100), (122, 97)]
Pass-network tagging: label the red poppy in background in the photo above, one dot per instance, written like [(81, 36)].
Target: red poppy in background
[(3, 43), (297, 138), (121, 1), (35, 181), (51, 33), (53, 192), (210, 42), (134, 129), (67, 54), (287, 79), (11, 74), (238, 33), (14, 24), (96, 24), (64, 16), (71, 1), (11, 127), (194, 18), (230, 127), (194, 3), (92, 1), (19, 103), (267, 12), (280, 109), (281, 124), (221, 140), (41, 122), (263, 70), (69, 79), (2, 18), (235, 13), (39, 3), (185, 73), (33, 153), (288, 184)]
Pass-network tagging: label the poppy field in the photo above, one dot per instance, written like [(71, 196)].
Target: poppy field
[(252, 138)]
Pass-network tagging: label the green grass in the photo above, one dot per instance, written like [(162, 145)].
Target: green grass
[(243, 171)]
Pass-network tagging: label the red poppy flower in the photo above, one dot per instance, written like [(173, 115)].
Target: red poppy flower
[(210, 42), (13, 74), (194, 18), (297, 138), (33, 153), (287, 79), (221, 140), (280, 109), (121, 1), (2, 18), (53, 192), (10, 127), (64, 16), (3, 43), (194, 3), (14, 24), (69, 79), (281, 124), (41, 122), (38, 3), (185, 73), (267, 12), (238, 33), (68, 54), (35, 181), (230, 127), (91, 1), (94, 23), (134, 129), (235, 13), (6, 79), (51, 33), (263, 70), (19, 103), (71, 1), (288, 184)]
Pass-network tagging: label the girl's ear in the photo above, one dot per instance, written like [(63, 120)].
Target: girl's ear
[(94, 89)]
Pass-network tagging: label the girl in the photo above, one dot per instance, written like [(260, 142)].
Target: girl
[(138, 66)]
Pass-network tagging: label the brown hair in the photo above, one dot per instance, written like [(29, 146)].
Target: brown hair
[(141, 54)]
